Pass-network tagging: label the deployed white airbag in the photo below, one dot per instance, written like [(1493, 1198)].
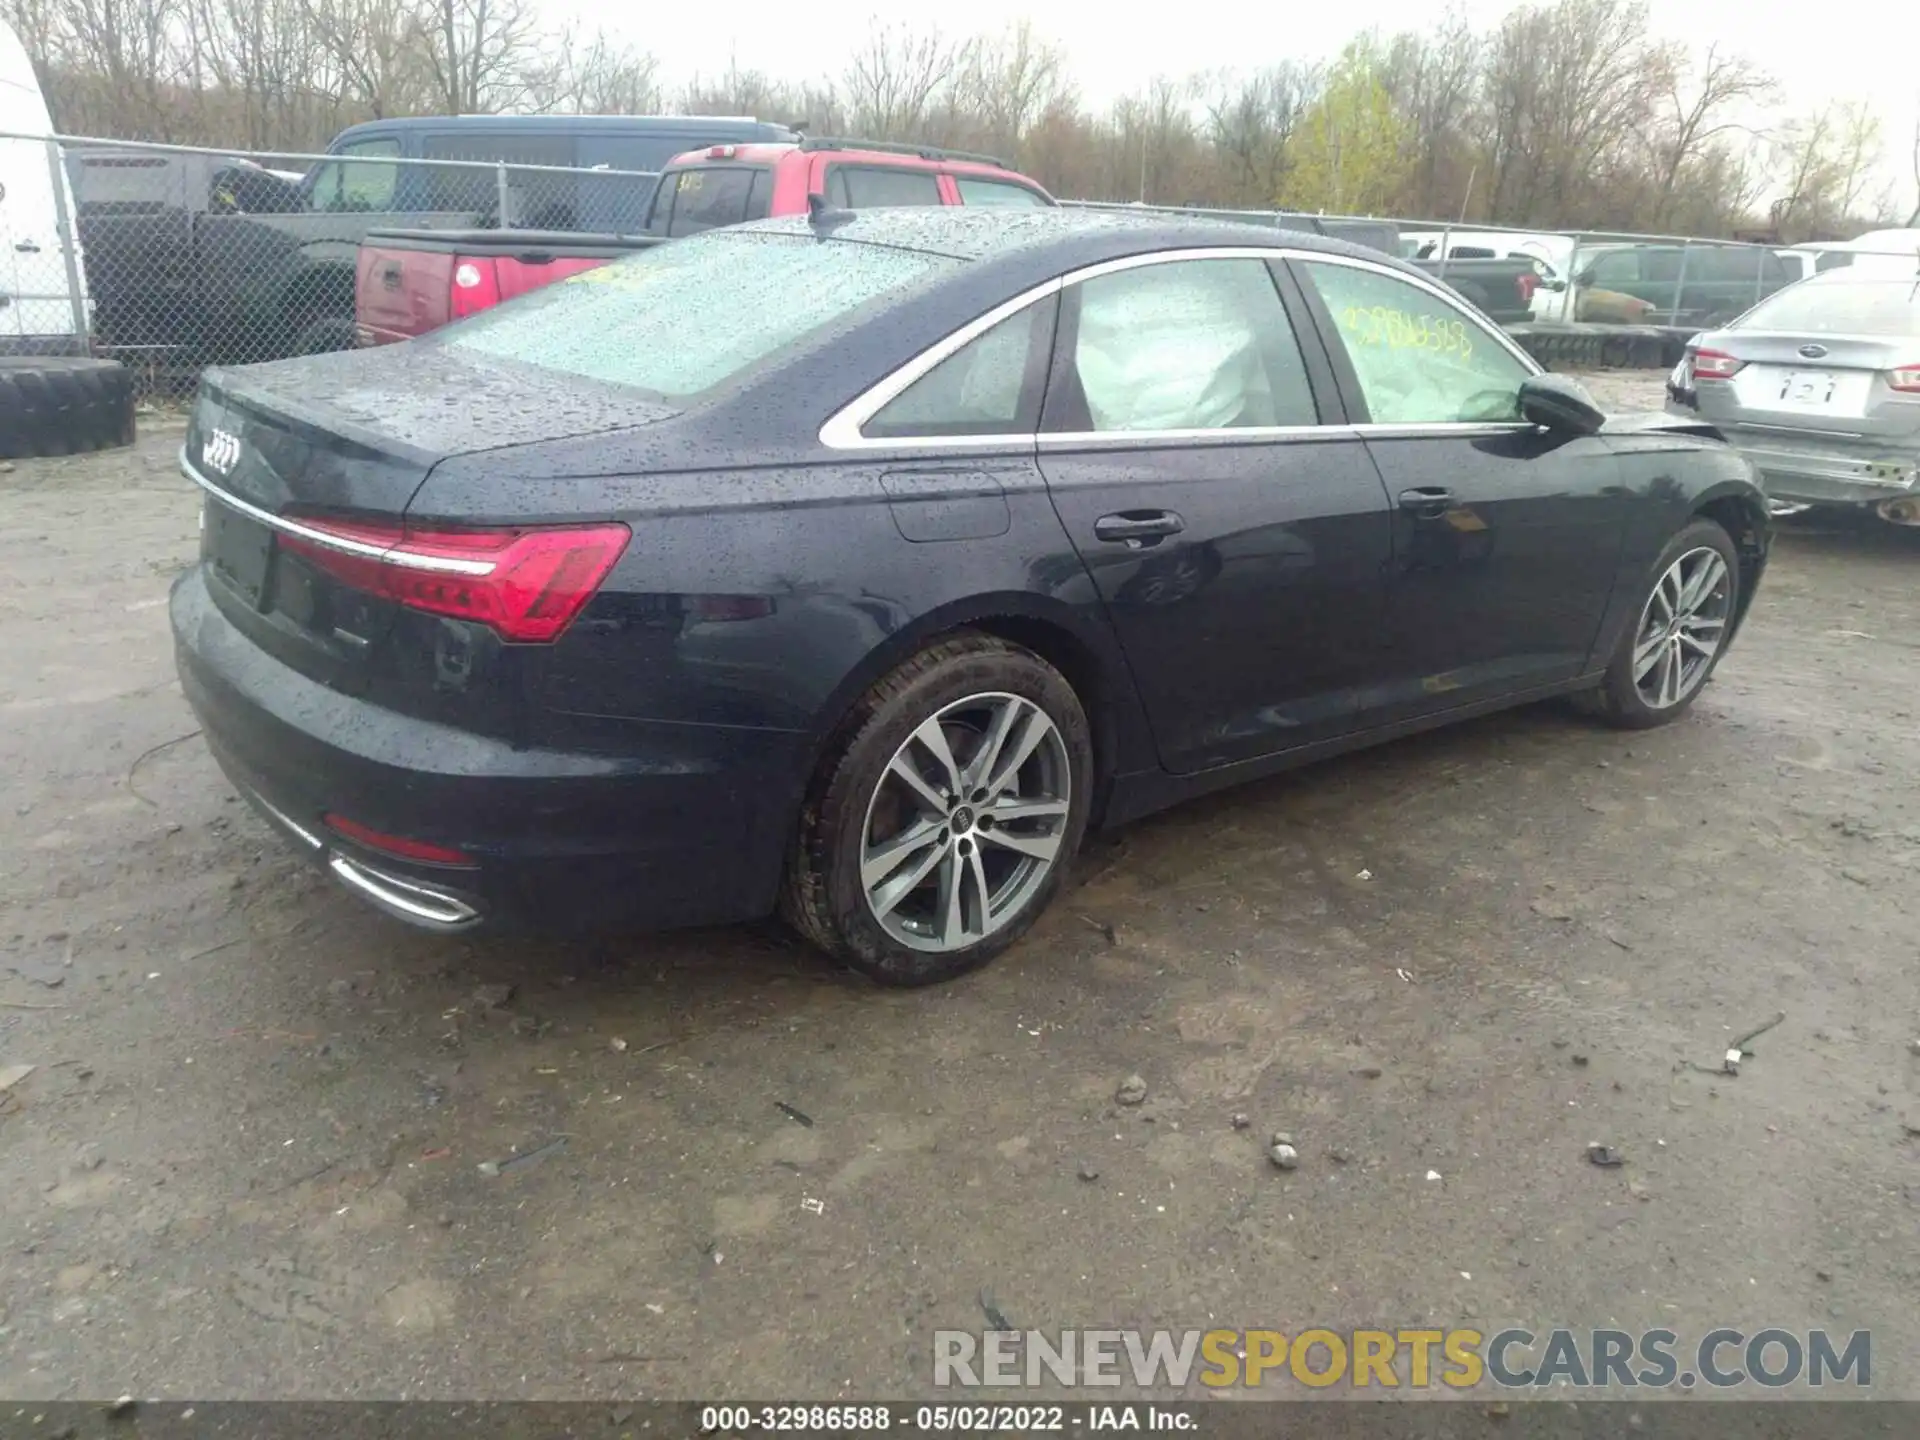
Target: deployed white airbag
[(1171, 347)]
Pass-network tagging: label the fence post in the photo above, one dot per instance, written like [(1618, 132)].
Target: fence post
[(69, 234), (503, 195), (1679, 285)]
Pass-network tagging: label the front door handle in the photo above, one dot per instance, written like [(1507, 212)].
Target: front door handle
[(1427, 501), (1136, 528)]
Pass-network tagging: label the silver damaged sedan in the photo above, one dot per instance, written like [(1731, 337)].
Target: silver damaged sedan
[(1819, 386)]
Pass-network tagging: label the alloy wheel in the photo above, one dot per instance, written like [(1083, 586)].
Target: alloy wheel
[(1682, 628), (966, 822)]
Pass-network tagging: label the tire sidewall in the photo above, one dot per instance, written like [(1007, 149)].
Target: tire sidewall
[(1623, 695), (844, 814)]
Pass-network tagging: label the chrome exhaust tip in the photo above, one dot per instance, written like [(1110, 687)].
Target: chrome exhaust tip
[(406, 900), (1904, 511)]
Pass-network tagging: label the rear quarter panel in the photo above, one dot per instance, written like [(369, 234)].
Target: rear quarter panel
[(769, 599)]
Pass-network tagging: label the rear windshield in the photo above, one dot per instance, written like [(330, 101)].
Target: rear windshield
[(1849, 307), (687, 316)]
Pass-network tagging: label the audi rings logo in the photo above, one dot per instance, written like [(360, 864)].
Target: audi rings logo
[(220, 451)]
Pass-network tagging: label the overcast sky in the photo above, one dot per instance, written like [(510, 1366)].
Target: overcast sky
[(1820, 50)]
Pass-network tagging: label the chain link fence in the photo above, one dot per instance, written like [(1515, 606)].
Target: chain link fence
[(170, 258)]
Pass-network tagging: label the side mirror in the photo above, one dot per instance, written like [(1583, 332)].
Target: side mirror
[(1554, 402)]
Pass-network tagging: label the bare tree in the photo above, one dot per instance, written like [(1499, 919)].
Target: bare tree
[(1251, 122), (1432, 79), (897, 80), (1007, 84), (374, 46), (1696, 121), (479, 53), (596, 75)]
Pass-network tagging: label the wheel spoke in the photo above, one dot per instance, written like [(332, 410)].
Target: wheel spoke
[(1036, 729), (1695, 644), (1705, 577), (909, 775), (883, 859), (1017, 807), (934, 741), (1714, 623), (977, 872), (1004, 720), (948, 910), (1670, 676), (1663, 599), (885, 898), (1038, 847), (1647, 655)]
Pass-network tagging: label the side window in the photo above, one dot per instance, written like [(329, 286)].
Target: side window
[(760, 197), (1419, 359), (1662, 267), (357, 184), (975, 191), (1614, 269), (1185, 345), (708, 197), (990, 386), (871, 187)]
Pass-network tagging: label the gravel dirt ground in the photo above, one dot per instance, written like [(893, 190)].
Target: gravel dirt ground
[(274, 1145)]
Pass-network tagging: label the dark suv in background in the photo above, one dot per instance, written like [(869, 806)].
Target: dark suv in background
[(1695, 285)]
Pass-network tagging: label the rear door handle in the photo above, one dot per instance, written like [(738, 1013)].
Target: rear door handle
[(1428, 501), (1138, 527)]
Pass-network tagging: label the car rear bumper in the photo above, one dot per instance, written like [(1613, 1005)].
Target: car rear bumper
[(1829, 473), (687, 825)]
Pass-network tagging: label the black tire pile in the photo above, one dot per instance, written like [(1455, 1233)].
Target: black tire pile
[(63, 405)]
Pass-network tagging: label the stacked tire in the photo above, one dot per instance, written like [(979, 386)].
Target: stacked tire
[(63, 405)]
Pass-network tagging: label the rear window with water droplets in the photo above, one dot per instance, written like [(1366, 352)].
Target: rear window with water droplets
[(687, 316)]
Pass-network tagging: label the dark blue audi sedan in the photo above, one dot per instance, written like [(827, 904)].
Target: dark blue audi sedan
[(851, 567)]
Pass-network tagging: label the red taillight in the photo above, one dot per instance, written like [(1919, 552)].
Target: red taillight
[(475, 287), (1715, 365), (528, 585), (395, 845), (1905, 379), (1526, 283)]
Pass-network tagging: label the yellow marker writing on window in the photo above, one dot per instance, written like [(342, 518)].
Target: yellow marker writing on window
[(1380, 326)]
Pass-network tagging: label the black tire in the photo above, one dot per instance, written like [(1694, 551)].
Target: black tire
[(823, 897), (63, 405), (325, 335), (1619, 700)]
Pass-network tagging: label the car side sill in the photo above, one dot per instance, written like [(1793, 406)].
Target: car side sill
[(1133, 796)]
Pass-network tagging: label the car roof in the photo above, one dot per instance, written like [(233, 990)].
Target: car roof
[(770, 152), (1075, 235), (743, 126)]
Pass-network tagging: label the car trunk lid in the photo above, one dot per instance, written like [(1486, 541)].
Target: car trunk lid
[(310, 466), (1836, 385)]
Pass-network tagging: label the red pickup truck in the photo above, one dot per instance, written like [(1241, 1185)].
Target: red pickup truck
[(408, 282), (411, 281)]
